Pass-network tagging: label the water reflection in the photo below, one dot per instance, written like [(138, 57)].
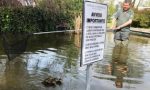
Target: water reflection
[(119, 66), (139, 39), (14, 43), (77, 39), (49, 54), (15, 75), (58, 55)]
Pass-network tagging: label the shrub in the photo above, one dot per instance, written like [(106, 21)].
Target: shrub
[(29, 19), (141, 19)]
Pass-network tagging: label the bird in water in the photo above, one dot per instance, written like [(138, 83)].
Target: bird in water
[(52, 82)]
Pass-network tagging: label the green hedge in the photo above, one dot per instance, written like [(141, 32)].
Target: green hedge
[(141, 19), (31, 19)]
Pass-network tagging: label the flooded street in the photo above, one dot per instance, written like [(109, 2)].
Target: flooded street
[(125, 68), (57, 55)]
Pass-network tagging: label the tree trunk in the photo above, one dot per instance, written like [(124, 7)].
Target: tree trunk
[(138, 4), (133, 3)]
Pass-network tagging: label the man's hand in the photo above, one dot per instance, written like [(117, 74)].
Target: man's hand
[(117, 28), (113, 28)]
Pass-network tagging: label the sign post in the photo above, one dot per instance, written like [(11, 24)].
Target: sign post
[(88, 76), (93, 35)]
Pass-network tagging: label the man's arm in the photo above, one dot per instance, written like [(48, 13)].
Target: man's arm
[(113, 26), (128, 22), (114, 20), (125, 24)]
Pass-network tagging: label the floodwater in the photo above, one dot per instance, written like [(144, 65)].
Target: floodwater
[(57, 55)]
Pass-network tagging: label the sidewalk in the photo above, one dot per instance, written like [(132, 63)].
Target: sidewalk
[(140, 30)]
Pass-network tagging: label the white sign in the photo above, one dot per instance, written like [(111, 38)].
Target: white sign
[(94, 28)]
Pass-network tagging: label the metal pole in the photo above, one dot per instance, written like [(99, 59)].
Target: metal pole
[(88, 76), (88, 69)]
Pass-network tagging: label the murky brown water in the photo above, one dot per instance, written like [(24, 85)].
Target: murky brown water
[(58, 55)]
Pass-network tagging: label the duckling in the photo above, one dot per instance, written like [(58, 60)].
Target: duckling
[(50, 81), (59, 81), (47, 84)]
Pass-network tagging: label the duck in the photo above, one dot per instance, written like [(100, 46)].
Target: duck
[(52, 82)]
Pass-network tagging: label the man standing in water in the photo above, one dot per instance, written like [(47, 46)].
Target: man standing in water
[(121, 22)]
